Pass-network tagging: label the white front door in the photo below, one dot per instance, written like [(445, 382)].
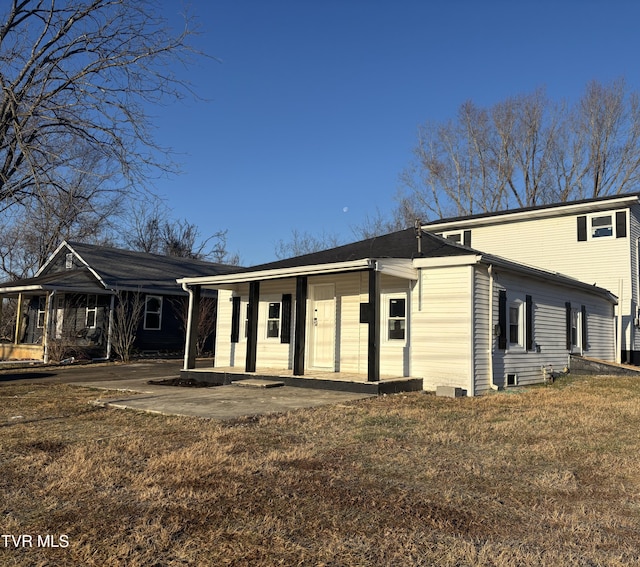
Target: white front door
[(323, 326)]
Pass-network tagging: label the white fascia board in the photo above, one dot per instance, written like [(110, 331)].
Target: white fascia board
[(444, 261), (555, 211), (65, 244), (397, 267), (279, 273)]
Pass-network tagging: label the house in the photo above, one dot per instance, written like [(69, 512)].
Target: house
[(593, 240), (408, 305), (72, 297)]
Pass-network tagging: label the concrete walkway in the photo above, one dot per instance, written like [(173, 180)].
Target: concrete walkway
[(220, 402)]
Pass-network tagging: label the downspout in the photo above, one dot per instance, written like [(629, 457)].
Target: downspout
[(621, 341), (490, 339)]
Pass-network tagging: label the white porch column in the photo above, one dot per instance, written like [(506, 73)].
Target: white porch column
[(192, 327)]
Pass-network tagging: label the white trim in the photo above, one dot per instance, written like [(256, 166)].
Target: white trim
[(551, 211), (147, 297)]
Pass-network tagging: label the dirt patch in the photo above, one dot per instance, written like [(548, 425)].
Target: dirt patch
[(184, 382)]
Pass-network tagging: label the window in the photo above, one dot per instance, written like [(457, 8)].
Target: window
[(602, 226), (396, 317), (273, 320), (152, 313), (459, 237), (42, 306), (515, 324), (68, 262), (92, 311)]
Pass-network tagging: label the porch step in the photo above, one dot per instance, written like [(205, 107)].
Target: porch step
[(257, 383)]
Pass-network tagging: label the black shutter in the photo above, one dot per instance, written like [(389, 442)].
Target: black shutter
[(529, 323), (621, 224), (235, 320), (567, 307), (285, 332), (466, 238), (582, 228), (502, 319), (585, 343)]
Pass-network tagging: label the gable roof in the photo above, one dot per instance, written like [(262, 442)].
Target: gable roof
[(106, 268), (538, 211)]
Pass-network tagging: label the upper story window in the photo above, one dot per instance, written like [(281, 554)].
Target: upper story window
[(602, 226), (153, 313), (459, 236), (68, 261)]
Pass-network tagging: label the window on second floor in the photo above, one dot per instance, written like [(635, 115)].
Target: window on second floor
[(601, 225)]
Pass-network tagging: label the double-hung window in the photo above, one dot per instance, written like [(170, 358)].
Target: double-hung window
[(395, 314), (273, 319), (153, 313), (42, 306), (92, 311), (515, 322)]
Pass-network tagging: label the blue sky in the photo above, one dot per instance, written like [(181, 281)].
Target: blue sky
[(312, 110)]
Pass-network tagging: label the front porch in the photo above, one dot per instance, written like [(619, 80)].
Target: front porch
[(324, 380)]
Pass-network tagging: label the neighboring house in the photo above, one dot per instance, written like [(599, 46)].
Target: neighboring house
[(406, 304), (71, 299), (593, 240)]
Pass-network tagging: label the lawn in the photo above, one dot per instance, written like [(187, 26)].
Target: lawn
[(543, 476)]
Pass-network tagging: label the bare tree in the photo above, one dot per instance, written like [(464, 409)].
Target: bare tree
[(32, 231), (149, 228), (78, 75), (305, 243), (206, 319), (127, 315), (525, 151)]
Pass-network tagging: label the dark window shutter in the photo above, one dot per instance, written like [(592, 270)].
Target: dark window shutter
[(285, 332), (235, 320), (466, 238), (621, 224), (567, 307), (582, 228), (502, 319), (585, 343), (529, 323)]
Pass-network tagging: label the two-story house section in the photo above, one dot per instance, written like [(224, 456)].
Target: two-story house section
[(594, 240)]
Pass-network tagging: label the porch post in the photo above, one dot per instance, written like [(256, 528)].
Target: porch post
[(16, 338), (373, 366), (110, 326), (301, 326), (252, 331), (192, 327), (48, 307)]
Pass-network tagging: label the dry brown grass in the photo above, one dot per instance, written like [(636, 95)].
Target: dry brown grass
[(545, 476)]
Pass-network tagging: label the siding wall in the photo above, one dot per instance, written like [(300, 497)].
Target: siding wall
[(551, 243), (441, 327), (549, 328), (351, 339)]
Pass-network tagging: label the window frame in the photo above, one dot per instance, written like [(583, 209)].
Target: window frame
[(147, 312), (388, 318), (590, 227), (42, 311), (269, 319), (517, 305), (93, 311)]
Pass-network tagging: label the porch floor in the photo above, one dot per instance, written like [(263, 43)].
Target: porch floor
[(342, 381)]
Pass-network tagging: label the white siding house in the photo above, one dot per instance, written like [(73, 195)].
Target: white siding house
[(404, 305), (595, 241)]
